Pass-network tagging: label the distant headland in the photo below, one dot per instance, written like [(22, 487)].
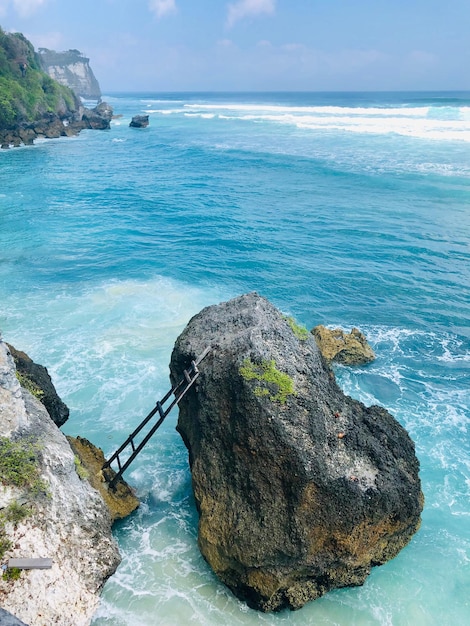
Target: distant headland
[(72, 69), (33, 104)]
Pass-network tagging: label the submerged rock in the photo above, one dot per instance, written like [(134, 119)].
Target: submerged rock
[(347, 348), (299, 488)]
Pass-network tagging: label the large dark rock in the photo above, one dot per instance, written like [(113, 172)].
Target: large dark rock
[(37, 380), (139, 121), (98, 118), (300, 489)]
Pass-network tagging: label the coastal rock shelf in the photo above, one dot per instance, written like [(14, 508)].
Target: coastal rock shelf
[(300, 489)]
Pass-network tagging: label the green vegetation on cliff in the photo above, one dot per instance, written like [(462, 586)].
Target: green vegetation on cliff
[(26, 92), (19, 465)]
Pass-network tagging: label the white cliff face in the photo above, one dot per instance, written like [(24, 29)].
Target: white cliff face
[(72, 526), (71, 69)]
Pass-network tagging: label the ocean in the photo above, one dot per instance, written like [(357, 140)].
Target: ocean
[(343, 209)]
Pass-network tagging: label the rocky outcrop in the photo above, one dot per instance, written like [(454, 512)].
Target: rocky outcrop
[(300, 489), (67, 520), (139, 121), (346, 348), (72, 69), (37, 380), (98, 118), (53, 126), (121, 501)]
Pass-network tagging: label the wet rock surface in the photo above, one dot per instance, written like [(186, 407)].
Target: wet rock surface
[(300, 489)]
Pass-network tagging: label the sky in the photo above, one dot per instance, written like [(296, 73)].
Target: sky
[(256, 45)]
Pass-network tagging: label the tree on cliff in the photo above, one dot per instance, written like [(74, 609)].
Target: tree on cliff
[(26, 92)]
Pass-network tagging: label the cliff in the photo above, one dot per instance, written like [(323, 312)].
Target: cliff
[(28, 94), (47, 511), (32, 104), (300, 489), (71, 69)]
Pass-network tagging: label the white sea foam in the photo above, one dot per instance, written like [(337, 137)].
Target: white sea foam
[(319, 110), (165, 111), (419, 122)]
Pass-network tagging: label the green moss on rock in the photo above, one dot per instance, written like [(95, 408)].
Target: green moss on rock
[(272, 382)]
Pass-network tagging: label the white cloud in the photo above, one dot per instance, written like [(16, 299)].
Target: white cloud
[(162, 7), (25, 8), (225, 43), (248, 8)]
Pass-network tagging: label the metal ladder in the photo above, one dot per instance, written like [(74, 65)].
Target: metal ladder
[(179, 390)]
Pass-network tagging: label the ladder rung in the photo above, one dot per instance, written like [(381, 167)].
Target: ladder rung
[(178, 390)]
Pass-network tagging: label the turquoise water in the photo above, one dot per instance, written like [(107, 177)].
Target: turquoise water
[(343, 209)]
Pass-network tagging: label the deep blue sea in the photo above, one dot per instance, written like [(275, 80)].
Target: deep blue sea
[(345, 209)]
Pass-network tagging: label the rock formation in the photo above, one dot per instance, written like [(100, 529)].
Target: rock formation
[(300, 489), (98, 118), (37, 380), (53, 126), (121, 501), (139, 121), (72, 69), (32, 104), (347, 348), (62, 516)]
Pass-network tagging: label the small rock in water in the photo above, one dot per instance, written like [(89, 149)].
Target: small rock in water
[(139, 121), (347, 348)]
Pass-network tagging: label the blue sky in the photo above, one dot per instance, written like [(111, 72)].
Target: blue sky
[(306, 45)]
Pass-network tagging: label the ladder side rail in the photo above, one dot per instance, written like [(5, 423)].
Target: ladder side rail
[(130, 438), (142, 424), (188, 381), (150, 434), (140, 446), (202, 355)]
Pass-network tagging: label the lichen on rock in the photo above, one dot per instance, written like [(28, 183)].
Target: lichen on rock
[(297, 497), (121, 501), (346, 348)]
